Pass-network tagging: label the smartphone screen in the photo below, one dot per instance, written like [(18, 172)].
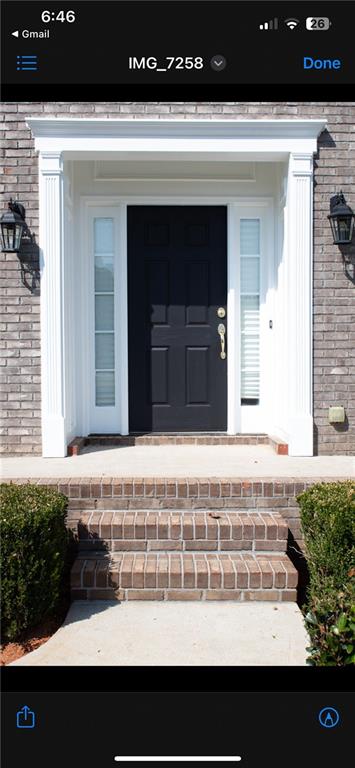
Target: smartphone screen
[(178, 382)]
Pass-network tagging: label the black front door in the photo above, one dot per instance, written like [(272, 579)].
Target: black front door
[(177, 281)]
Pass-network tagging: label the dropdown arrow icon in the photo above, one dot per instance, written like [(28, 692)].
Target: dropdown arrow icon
[(218, 62)]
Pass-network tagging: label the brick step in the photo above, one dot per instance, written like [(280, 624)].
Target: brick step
[(185, 576), (203, 438), (78, 444), (147, 530)]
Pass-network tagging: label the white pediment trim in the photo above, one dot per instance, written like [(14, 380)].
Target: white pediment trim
[(206, 139)]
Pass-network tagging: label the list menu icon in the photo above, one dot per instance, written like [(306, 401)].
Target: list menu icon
[(27, 63)]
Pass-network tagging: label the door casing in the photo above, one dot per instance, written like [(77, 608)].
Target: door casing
[(238, 420)]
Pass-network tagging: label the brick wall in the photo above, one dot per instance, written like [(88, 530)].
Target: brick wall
[(334, 305)]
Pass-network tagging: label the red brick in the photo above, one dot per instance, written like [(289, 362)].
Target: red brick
[(128, 525), (106, 594), (262, 594), (145, 594), (138, 572), (288, 595), (126, 571), (128, 489), (183, 594), (215, 579), (189, 572), (107, 487), (267, 574), (105, 528), (188, 528), (175, 526), (202, 545), (163, 571), (201, 572), (181, 489), (254, 573), (150, 573), (247, 488), (163, 526), (228, 573), (279, 575), (117, 489), (129, 545), (165, 545), (152, 526), (89, 573), (242, 574), (117, 525), (212, 528), (139, 525), (175, 572), (101, 574), (76, 573), (221, 594)]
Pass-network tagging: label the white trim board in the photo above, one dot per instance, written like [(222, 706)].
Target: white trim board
[(239, 418), (203, 140), (168, 139), (153, 128)]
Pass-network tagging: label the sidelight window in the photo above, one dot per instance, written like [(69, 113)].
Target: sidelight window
[(104, 312), (250, 310)]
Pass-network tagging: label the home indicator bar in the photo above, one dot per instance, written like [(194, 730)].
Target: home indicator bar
[(178, 759)]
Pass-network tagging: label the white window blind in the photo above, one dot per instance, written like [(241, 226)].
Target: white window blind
[(104, 312), (250, 309)]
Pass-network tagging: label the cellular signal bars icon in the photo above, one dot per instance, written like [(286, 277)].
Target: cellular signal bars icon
[(272, 24)]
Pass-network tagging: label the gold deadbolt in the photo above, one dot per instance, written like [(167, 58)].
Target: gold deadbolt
[(221, 312)]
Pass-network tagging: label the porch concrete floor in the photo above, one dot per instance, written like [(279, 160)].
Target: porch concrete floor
[(180, 461), (184, 634)]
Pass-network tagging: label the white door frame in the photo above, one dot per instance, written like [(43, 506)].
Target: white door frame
[(203, 140), (116, 207)]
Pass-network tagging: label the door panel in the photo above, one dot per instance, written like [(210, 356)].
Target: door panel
[(177, 279)]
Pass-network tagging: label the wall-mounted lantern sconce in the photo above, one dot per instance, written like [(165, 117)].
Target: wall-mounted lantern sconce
[(341, 219), (16, 237), (13, 227)]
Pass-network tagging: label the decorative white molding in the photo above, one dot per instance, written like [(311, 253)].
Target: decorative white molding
[(171, 139), (51, 206), (120, 128), (174, 171), (299, 296), (198, 140)]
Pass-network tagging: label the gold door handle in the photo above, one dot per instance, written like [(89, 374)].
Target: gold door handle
[(222, 332)]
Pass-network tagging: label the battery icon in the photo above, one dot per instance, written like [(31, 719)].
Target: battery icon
[(318, 23)]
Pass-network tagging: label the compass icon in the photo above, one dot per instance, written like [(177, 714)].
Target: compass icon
[(329, 717)]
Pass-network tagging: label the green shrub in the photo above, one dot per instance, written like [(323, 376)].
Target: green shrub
[(330, 622), (328, 523), (34, 546)]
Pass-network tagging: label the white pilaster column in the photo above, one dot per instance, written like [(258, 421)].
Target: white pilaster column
[(299, 298), (51, 226)]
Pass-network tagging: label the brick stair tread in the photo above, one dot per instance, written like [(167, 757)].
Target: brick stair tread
[(176, 525), (115, 575), (204, 438)]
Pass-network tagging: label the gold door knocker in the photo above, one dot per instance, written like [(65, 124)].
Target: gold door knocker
[(222, 331)]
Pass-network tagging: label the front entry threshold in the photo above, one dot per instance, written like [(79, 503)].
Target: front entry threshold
[(79, 443)]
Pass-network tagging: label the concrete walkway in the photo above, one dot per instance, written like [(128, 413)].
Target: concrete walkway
[(180, 461), (184, 634)]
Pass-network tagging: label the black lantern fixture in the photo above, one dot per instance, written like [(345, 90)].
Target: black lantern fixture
[(12, 227), (341, 219)]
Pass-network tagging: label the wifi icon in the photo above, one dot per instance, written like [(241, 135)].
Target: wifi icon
[(292, 23)]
